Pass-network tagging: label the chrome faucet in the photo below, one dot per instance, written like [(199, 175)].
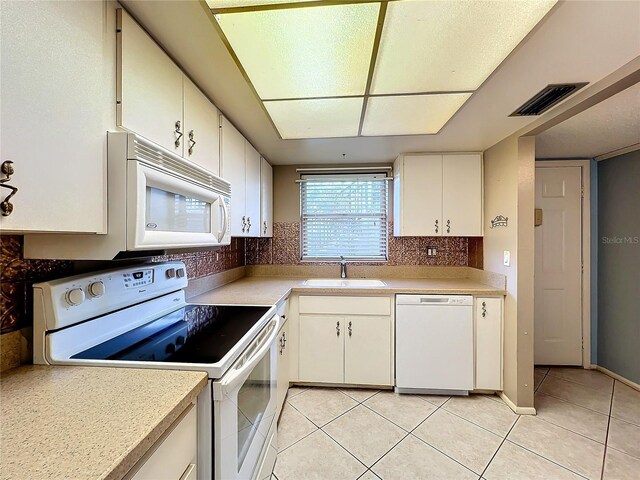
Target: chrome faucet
[(343, 267)]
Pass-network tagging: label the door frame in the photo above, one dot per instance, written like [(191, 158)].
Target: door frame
[(585, 166)]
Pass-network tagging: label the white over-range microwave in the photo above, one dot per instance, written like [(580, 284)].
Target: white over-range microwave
[(157, 201)]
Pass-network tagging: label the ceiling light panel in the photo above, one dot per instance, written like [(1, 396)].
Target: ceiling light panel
[(222, 4), (321, 51), (410, 114), (317, 118), (436, 46)]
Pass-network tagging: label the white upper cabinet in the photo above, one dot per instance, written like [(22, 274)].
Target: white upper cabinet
[(232, 169), (201, 129), (418, 181), (240, 165), (252, 191), (150, 96), (438, 195), (266, 199), (462, 195), (58, 91), (159, 102)]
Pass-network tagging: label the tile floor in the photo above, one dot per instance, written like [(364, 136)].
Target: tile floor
[(588, 426)]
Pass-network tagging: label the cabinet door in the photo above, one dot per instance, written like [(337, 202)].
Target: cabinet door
[(462, 195), (58, 94), (175, 454), (283, 364), (149, 88), (488, 343), (266, 199), (321, 357), (233, 170), (201, 129), (421, 195), (252, 190), (367, 352)]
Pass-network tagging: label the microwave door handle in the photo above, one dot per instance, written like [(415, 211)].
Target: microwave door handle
[(239, 374), (225, 217)]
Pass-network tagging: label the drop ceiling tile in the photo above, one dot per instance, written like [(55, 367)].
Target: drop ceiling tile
[(217, 4), (321, 51), (316, 118), (410, 114), (429, 46)]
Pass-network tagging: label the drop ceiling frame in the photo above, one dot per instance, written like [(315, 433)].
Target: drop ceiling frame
[(372, 64)]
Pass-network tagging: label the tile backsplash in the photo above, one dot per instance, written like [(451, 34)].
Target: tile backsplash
[(284, 249), (17, 275)]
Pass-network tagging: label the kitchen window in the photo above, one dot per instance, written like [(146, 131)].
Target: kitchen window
[(344, 215)]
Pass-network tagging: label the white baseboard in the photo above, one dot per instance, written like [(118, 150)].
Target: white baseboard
[(620, 378), (515, 408)]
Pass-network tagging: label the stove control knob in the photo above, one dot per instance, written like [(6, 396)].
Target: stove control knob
[(75, 296), (180, 273), (96, 289), (171, 272)]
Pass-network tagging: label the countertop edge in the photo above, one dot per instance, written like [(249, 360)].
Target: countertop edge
[(397, 290)]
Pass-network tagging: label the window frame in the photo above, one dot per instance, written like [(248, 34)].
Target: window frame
[(376, 175)]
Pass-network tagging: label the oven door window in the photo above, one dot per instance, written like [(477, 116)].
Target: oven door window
[(253, 400), (172, 212)]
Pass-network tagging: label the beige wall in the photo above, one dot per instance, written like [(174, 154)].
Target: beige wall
[(509, 168), (286, 194)]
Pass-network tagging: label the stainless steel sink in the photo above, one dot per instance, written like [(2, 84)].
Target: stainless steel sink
[(343, 282)]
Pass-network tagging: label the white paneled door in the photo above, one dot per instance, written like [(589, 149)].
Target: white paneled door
[(558, 267)]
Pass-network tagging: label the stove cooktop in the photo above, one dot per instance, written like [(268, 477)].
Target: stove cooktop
[(191, 334)]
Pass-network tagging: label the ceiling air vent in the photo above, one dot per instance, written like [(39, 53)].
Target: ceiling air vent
[(547, 98)]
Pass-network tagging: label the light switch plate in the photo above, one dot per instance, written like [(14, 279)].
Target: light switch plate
[(507, 258)]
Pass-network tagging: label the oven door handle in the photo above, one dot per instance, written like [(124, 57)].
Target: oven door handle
[(238, 374)]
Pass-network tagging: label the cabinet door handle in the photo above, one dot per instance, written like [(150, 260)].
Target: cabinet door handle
[(6, 207), (192, 142), (248, 223), (244, 223), (436, 226), (484, 309), (177, 130), (284, 340), (448, 226), (265, 227), (350, 329), (337, 329)]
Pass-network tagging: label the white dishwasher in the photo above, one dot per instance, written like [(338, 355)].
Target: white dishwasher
[(434, 344)]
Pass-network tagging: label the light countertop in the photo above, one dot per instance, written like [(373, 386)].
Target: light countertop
[(86, 422), (260, 290)]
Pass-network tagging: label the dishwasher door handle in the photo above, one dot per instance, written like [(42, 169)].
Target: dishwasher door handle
[(435, 300)]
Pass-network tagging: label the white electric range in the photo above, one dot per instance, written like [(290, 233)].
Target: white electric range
[(138, 317)]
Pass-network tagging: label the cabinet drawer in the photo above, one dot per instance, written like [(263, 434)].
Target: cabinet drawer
[(172, 457), (345, 305)]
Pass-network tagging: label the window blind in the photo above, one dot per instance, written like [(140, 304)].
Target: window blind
[(344, 215)]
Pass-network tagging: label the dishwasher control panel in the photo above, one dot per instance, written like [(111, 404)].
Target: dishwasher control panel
[(457, 300)]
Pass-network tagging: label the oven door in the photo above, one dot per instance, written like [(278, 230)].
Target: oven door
[(245, 407), (166, 211)]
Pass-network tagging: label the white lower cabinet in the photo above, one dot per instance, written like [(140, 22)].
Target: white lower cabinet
[(345, 340), (283, 366), (321, 348), (367, 352), (174, 456), (488, 339)]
